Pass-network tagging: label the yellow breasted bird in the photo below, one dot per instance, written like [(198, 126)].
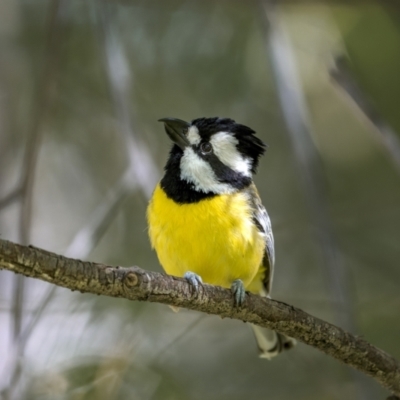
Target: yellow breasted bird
[(206, 220)]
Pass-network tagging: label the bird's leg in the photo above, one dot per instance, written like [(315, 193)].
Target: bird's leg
[(194, 280), (239, 292)]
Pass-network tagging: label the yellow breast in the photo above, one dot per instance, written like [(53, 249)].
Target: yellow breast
[(214, 238)]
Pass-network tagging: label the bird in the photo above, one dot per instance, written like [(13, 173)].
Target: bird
[(206, 220)]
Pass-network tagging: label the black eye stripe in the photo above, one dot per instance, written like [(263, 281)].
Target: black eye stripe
[(224, 174)]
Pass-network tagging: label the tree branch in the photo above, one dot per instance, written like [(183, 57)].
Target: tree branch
[(343, 77), (134, 283)]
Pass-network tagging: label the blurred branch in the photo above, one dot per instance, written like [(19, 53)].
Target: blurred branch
[(312, 177), (41, 106), (10, 198), (141, 172), (40, 110), (299, 131), (119, 77), (342, 75), (86, 239), (81, 245), (134, 283)]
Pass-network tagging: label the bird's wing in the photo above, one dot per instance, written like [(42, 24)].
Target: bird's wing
[(263, 223), (270, 343)]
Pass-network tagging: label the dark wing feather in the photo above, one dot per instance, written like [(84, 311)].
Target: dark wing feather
[(270, 343), (263, 223)]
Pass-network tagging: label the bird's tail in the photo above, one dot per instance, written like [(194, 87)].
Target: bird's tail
[(271, 343)]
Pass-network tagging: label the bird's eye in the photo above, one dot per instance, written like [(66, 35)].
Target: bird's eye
[(206, 148)]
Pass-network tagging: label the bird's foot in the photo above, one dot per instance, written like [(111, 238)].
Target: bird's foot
[(195, 281), (239, 293)]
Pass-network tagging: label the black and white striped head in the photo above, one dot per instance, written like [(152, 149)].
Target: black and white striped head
[(211, 156)]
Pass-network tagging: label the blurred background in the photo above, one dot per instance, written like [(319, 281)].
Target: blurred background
[(82, 84)]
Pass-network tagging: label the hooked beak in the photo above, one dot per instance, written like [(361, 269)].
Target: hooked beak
[(176, 130)]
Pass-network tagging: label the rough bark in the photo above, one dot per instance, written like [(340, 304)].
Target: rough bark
[(134, 283)]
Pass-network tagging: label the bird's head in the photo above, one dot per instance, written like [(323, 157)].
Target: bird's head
[(211, 155)]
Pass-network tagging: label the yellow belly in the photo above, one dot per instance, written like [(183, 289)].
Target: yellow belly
[(214, 238)]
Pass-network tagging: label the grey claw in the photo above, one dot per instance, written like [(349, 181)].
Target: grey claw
[(194, 280), (239, 293)]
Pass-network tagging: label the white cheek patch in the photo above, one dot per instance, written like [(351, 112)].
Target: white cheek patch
[(197, 171), (224, 145), (193, 135)]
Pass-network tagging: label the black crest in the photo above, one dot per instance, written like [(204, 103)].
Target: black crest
[(183, 191), (249, 144)]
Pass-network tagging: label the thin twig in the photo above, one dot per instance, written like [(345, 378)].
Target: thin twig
[(81, 245), (139, 158), (98, 222), (34, 139), (134, 283), (10, 198), (41, 108), (118, 72), (175, 340), (299, 130), (343, 77)]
